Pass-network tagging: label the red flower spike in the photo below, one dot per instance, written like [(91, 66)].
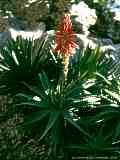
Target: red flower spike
[(65, 37)]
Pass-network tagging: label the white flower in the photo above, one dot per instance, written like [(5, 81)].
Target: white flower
[(85, 15)]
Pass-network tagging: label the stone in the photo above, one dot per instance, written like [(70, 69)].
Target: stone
[(28, 34), (4, 37)]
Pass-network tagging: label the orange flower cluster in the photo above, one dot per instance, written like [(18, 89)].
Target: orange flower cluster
[(65, 37)]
